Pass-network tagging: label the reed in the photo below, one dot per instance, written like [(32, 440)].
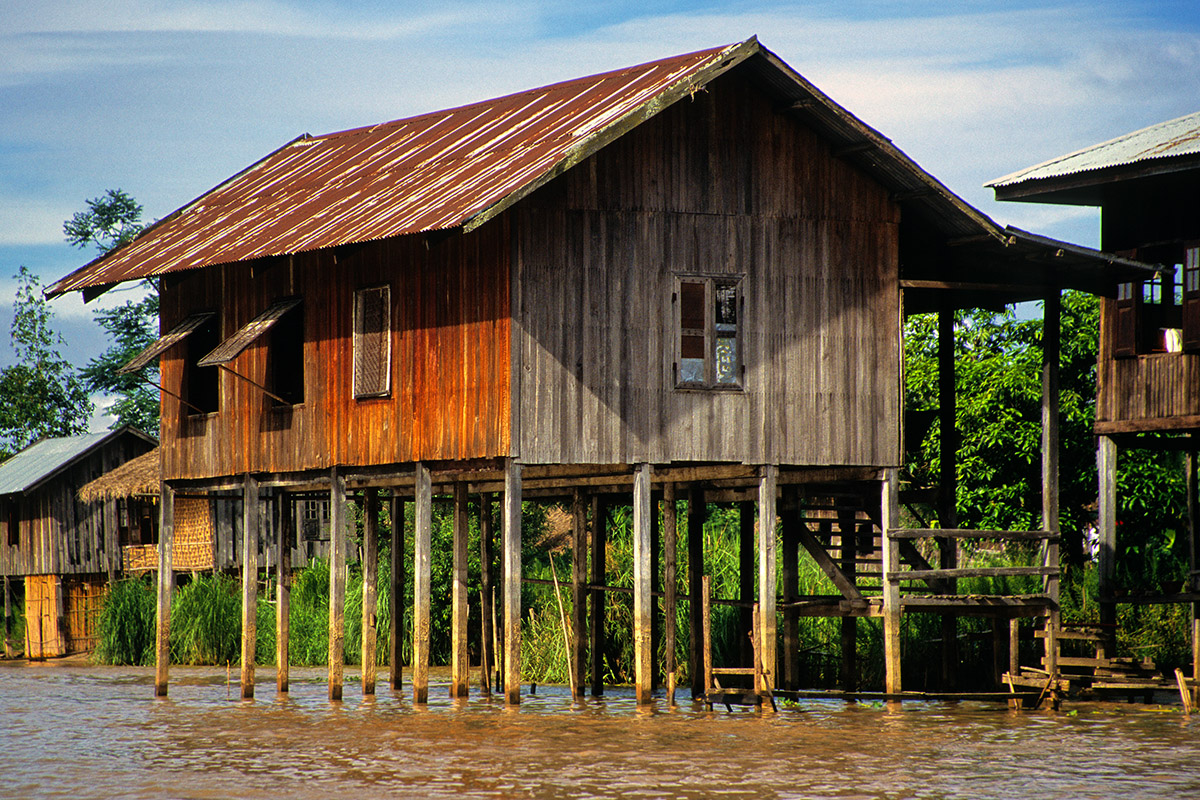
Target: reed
[(126, 626), (206, 621)]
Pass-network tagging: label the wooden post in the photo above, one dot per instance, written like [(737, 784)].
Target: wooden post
[(1050, 442), (889, 517), (1106, 522), (285, 537), (746, 568), (599, 576), (396, 599), (655, 589), (847, 524), (166, 581), (7, 618), (697, 511), (948, 484), (578, 592), (670, 540), (337, 582), (249, 581), (460, 665), (768, 625), (487, 658), (370, 587), (512, 582), (1014, 647), (422, 533), (791, 592), (705, 606), (643, 658)]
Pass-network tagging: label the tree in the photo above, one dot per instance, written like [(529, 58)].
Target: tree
[(40, 395), (109, 222)]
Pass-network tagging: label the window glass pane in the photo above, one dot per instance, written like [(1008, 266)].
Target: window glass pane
[(691, 346), (727, 360), (691, 370), (691, 306), (726, 307)]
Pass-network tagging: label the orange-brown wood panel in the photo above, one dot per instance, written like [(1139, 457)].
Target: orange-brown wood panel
[(449, 360)]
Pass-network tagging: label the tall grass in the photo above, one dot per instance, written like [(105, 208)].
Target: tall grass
[(206, 621), (126, 634)]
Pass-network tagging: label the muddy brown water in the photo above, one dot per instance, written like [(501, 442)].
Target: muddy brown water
[(95, 732)]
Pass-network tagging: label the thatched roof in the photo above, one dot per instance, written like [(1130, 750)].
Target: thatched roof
[(138, 476)]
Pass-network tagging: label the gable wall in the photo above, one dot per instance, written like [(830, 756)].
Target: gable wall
[(722, 184)]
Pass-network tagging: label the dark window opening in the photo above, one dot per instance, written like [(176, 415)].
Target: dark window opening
[(202, 385), (12, 519), (708, 352), (1190, 298), (1150, 313), (285, 357), (137, 522)]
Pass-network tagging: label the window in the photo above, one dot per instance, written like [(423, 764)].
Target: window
[(12, 518), (372, 342), (1149, 313), (202, 385), (708, 320), (285, 358), (1191, 297)]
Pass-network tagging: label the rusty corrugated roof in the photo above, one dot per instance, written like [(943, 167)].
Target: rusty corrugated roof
[(430, 172)]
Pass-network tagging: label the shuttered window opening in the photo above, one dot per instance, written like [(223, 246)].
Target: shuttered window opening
[(707, 332), (229, 349), (372, 341), (1191, 297), (171, 337)]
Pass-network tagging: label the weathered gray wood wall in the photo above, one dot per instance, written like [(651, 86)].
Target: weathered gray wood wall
[(721, 183)]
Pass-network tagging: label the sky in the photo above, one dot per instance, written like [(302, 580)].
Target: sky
[(166, 99)]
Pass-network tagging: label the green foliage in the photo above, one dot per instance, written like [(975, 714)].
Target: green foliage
[(110, 221), (206, 621), (126, 629), (40, 395)]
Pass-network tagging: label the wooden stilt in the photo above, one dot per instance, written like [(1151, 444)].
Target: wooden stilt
[(460, 665), (948, 488), (487, 614), (670, 583), (422, 533), (790, 566), (697, 511), (1106, 523), (746, 575), (249, 581), (166, 582), (337, 582), (767, 582), (643, 657), (705, 606), (655, 589), (889, 519), (599, 576), (512, 582), (1014, 646), (578, 592), (285, 538), (396, 599), (1050, 444), (847, 525), (370, 587)]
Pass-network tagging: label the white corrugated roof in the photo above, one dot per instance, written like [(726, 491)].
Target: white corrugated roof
[(1175, 137), (41, 459)]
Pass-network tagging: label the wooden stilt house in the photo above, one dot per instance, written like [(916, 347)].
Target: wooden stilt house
[(62, 548), (1147, 187), (683, 280)]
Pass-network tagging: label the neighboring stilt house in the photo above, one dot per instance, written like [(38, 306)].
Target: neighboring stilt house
[(1147, 187), (682, 280), (64, 549)]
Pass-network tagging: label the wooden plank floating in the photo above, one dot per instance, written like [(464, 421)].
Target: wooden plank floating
[(337, 582)]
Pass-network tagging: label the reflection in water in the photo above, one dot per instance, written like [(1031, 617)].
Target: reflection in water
[(97, 732)]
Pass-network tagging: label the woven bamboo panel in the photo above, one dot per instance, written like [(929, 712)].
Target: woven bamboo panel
[(193, 550), (82, 601), (43, 610)]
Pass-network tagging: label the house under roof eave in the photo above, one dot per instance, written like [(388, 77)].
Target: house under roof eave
[(452, 171), (41, 461)]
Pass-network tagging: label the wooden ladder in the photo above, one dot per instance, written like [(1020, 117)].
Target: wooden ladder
[(713, 691)]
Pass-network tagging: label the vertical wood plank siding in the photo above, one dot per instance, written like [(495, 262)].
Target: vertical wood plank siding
[(719, 184), (450, 362), (1150, 392)]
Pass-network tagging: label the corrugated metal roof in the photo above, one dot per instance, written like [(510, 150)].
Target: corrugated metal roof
[(1177, 137), (430, 172), (42, 459)]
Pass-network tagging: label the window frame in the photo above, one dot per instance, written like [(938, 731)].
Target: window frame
[(711, 282), (357, 336)]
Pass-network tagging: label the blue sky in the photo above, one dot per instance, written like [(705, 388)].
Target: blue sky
[(166, 99)]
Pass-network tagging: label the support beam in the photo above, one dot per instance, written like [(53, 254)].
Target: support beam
[(422, 535), (460, 665), (250, 529), (948, 484), (396, 598), (790, 541), (285, 538), (512, 582), (166, 581), (1050, 446), (337, 582), (487, 559), (599, 578), (670, 583), (767, 625), (697, 511), (370, 587), (1106, 522), (578, 592), (643, 657), (889, 518)]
